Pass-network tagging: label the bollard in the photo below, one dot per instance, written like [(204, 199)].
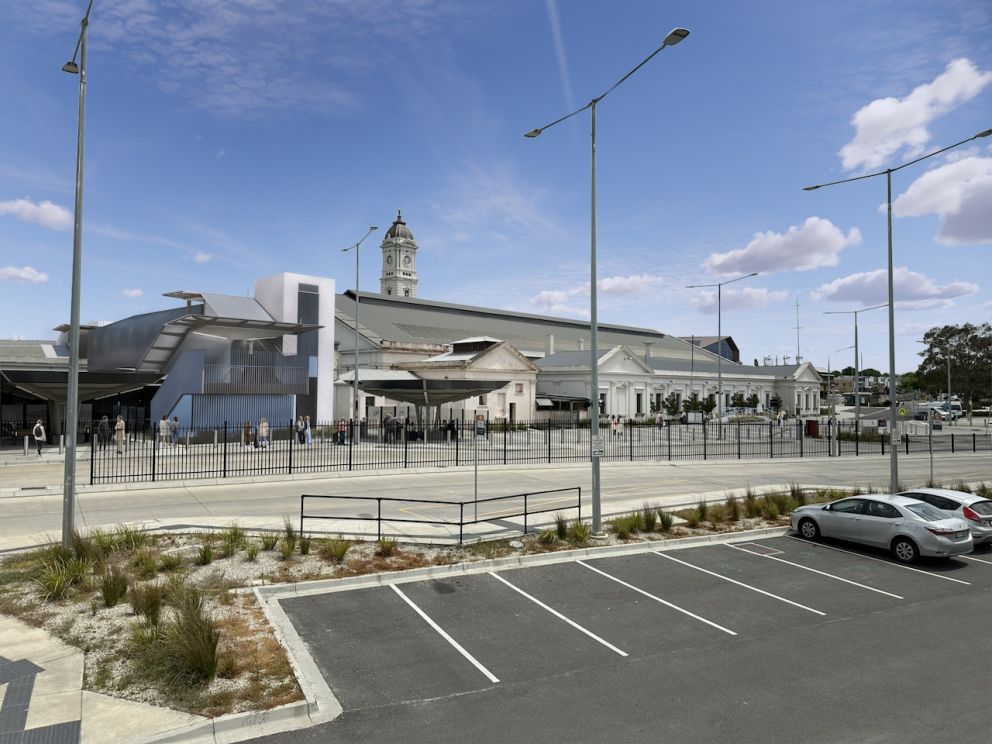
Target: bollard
[(25, 445), (61, 443), (215, 439)]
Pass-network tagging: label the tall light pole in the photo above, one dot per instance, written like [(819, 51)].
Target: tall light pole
[(357, 427), (674, 37), (72, 393), (719, 340), (894, 436), (857, 377)]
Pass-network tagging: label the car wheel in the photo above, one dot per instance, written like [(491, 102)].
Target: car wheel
[(905, 550), (809, 529)]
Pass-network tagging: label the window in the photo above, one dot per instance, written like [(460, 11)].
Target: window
[(639, 405), (848, 506), (482, 400), (406, 292), (878, 509), (518, 388), (602, 402)]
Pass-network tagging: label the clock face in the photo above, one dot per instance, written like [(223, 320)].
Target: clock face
[(406, 260), (389, 258)]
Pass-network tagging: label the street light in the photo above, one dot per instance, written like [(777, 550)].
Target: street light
[(719, 340), (674, 37), (857, 378), (72, 394), (894, 437), (357, 427)]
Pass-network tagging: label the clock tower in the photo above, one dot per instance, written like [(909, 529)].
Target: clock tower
[(399, 261)]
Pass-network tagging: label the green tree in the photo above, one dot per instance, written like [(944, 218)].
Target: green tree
[(737, 400), (692, 403), (752, 400), (969, 348), (672, 405), (708, 405)]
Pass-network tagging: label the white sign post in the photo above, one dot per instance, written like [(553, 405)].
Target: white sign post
[(480, 430)]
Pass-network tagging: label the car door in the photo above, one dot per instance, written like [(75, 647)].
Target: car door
[(841, 519), (878, 523)]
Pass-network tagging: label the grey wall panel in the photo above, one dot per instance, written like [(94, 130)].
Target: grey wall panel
[(211, 411)]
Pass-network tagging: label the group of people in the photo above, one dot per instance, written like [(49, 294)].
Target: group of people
[(168, 431), (103, 429), (255, 437), (616, 426)]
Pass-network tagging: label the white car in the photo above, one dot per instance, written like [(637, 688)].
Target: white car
[(906, 526), (975, 510)]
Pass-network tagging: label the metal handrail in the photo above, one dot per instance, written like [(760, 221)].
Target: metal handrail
[(439, 502)]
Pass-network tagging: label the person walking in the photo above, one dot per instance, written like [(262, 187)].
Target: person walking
[(246, 432), (342, 430), (620, 426), (39, 435), (103, 433), (263, 432), (613, 425), (175, 430), (300, 436), (120, 431), (387, 429), (165, 431), (307, 432)]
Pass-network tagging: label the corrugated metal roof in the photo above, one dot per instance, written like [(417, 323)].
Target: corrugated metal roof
[(232, 306)]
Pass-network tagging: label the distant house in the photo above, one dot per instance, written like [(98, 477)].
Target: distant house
[(727, 349)]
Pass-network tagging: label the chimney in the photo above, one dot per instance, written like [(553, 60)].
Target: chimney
[(582, 344), (647, 349), (549, 344)]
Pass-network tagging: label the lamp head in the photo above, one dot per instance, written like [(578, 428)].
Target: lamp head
[(533, 133), (71, 67), (675, 36), (986, 133), (373, 228), (810, 188)]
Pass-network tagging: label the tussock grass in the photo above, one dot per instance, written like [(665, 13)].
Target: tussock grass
[(691, 517), (548, 536), (666, 519), (182, 651), (58, 575), (305, 541), (145, 565), (146, 600), (334, 549), (649, 517), (131, 538), (171, 562), (626, 525), (113, 585), (286, 549), (962, 486), (205, 556), (269, 540), (386, 547), (579, 533), (732, 507), (561, 526), (702, 509), (251, 551), (289, 534)]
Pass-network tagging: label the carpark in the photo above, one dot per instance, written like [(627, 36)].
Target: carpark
[(772, 640)]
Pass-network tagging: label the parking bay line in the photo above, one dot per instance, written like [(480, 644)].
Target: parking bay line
[(977, 560), (658, 599), (492, 677), (557, 614), (873, 558), (822, 573), (739, 583)]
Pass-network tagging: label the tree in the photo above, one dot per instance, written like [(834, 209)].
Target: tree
[(692, 403), (869, 372), (752, 400), (737, 400), (847, 372), (969, 348), (672, 405), (908, 381), (708, 405), (775, 403)]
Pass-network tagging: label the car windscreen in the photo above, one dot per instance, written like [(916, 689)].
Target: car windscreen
[(982, 507), (926, 511)]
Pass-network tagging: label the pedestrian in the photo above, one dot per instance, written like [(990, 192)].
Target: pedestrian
[(613, 425), (620, 426), (103, 433), (164, 431), (39, 435), (263, 432), (307, 433), (342, 430), (246, 432), (119, 433), (175, 430), (300, 435), (387, 429)]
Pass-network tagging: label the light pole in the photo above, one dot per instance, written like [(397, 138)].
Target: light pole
[(72, 393), (719, 341), (357, 426), (894, 436), (857, 376), (674, 37)]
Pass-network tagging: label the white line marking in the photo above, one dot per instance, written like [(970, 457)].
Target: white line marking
[(979, 560), (807, 568), (557, 614), (746, 586), (445, 636), (657, 599), (873, 558)]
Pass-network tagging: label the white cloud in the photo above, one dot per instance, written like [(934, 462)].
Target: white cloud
[(744, 298), (959, 192), (131, 294), (221, 153), (27, 274), (815, 244), (912, 290), (557, 301), (202, 257), (887, 125), (45, 214)]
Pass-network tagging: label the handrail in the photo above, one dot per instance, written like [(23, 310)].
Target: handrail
[(461, 522)]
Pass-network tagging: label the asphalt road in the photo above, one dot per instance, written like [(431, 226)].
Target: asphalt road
[(776, 641)]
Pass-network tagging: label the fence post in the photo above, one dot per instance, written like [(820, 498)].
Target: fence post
[(799, 434), (351, 440), (668, 436), (906, 438), (525, 514), (458, 435), (704, 439), (974, 442), (579, 517), (405, 440), (633, 431), (461, 522), (378, 520), (289, 429), (738, 440), (224, 466), (882, 439), (505, 427), (952, 443), (771, 440), (302, 496), (92, 459), (154, 450), (548, 432)]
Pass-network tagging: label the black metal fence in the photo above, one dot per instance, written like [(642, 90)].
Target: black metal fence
[(508, 507), (231, 451)]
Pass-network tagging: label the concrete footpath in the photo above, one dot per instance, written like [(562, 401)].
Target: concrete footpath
[(41, 678)]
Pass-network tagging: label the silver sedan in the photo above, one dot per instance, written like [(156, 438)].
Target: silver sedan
[(908, 527), (975, 510)]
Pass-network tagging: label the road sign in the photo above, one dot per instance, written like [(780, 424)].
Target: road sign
[(598, 446), (902, 411)]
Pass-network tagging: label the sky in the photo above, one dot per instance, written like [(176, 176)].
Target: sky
[(228, 140)]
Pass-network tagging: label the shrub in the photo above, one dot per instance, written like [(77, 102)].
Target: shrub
[(171, 562), (305, 541), (184, 651), (702, 509), (771, 511), (145, 565), (205, 556), (55, 579), (984, 490), (548, 536), (251, 552), (289, 533), (146, 600), (733, 508), (579, 532), (667, 519), (234, 537), (751, 506), (717, 513), (286, 549), (691, 518), (649, 517), (962, 486), (561, 526), (105, 542), (626, 525), (86, 548), (334, 549), (269, 540), (131, 538), (113, 586), (386, 547)]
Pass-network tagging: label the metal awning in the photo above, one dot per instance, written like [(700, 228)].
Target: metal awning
[(430, 392), (543, 403)]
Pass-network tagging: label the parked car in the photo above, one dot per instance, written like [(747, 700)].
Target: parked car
[(906, 526), (975, 510)]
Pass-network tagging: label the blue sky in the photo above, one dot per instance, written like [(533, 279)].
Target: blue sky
[(229, 140)]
